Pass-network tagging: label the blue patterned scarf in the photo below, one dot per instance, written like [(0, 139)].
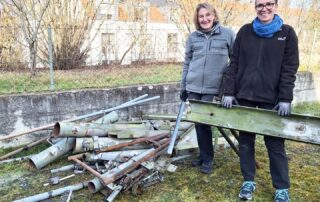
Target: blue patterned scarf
[(267, 30)]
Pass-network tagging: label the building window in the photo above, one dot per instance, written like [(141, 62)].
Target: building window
[(146, 48), (138, 14), (108, 46), (109, 16), (172, 43)]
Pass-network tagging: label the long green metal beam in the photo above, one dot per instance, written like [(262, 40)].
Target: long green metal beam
[(297, 127)]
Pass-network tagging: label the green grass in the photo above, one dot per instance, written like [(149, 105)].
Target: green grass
[(115, 76), (21, 82), (311, 108)]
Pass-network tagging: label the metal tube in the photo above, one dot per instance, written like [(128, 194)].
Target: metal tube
[(125, 105), (50, 59), (15, 159), (136, 141), (52, 153), (53, 193), (175, 131), (95, 185), (95, 143), (118, 156), (108, 118), (62, 169), (88, 168)]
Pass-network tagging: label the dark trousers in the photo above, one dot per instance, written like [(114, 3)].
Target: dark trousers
[(276, 150), (204, 133)]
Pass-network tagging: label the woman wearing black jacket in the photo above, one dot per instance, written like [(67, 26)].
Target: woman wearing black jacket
[(261, 74)]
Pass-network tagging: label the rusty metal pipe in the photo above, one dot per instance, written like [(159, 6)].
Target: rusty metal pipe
[(127, 167), (85, 166), (95, 185), (136, 141)]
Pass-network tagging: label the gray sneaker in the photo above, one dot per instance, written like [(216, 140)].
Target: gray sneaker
[(282, 195), (206, 167), (247, 189)]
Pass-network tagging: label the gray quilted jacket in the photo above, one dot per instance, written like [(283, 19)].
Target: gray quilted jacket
[(206, 58)]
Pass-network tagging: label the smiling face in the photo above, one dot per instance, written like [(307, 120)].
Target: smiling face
[(266, 10), (205, 19)]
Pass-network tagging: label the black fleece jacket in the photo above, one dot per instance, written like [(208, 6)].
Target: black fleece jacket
[(263, 69)]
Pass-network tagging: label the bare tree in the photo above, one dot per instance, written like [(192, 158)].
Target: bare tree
[(75, 25), (10, 51), (30, 13), (135, 15)]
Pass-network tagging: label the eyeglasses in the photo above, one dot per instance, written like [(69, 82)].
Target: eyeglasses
[(268, 6)]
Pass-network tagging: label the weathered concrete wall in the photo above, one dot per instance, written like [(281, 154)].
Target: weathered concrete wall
[(22, 112), (307, 87)]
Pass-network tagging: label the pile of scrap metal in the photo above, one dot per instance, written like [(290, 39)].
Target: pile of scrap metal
[(122, 156)]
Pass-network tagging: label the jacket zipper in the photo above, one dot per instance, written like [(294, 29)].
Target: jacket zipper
[(258, 64), (205, 61)]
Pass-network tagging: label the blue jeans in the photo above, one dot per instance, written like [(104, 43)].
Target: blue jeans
[(204, 133), (276, 150)]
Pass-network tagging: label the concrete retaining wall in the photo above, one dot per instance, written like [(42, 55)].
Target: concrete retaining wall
[(22, 112)]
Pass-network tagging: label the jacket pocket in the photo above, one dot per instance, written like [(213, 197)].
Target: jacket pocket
[(218, 46)]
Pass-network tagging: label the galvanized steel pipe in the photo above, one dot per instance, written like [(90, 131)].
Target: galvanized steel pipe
[(50, 154), (53, 193)]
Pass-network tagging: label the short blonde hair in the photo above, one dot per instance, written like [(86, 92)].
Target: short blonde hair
[(211, 10)]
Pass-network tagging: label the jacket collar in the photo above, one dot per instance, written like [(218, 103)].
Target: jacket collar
[(215, 30)]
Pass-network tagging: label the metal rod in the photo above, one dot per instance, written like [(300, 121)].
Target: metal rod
[(136, 162), (53, 193), (175, 131), (124, 105), (85, 166), (26, 147), (235, 134), (15, 159), (235, 149), (50, 59), (136, 141)]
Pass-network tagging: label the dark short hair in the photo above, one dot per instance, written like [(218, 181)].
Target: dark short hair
[(211, 10)]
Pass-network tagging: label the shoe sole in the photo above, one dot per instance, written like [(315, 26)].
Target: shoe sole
[(245, 198)]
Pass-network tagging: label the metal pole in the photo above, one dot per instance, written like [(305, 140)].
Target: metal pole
[(175, 131), (53, 193), (50, 59)]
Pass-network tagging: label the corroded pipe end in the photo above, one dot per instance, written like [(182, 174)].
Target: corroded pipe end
[(56, 129)]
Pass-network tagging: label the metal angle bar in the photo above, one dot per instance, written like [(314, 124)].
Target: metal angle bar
[(233, 146), (296, 127)]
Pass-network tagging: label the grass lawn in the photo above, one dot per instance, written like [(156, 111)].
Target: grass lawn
[(113, 76), (19, 180), (21, 82)]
